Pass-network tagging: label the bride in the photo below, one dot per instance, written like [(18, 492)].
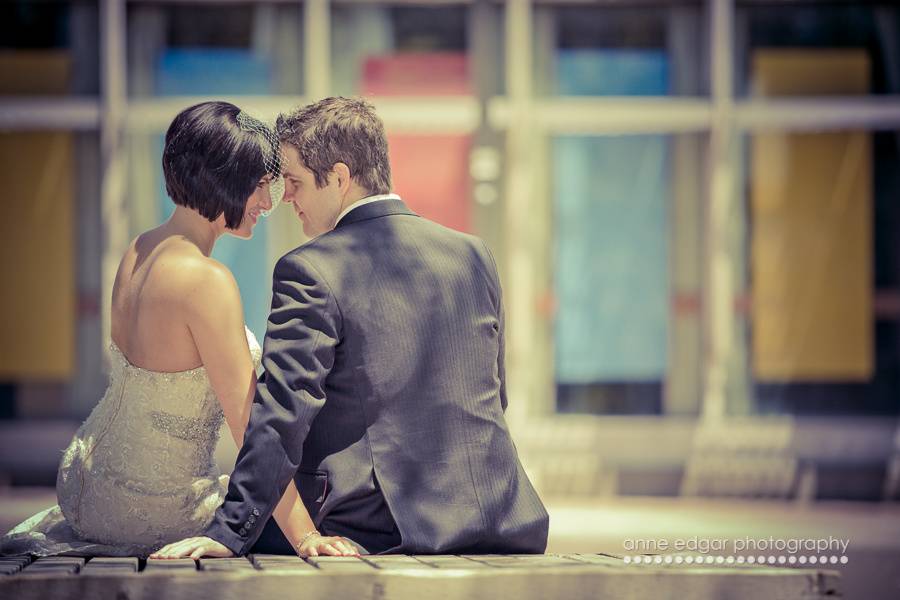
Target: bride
[(139, 472)]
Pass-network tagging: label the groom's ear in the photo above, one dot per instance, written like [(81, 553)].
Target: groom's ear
[(342, 171)]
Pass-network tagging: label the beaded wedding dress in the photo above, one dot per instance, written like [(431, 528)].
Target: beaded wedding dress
[(140, 472)]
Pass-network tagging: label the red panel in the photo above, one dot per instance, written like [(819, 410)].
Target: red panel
[(416, 74), (431, 174)]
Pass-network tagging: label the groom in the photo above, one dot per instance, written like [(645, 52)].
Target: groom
[(384, 387)]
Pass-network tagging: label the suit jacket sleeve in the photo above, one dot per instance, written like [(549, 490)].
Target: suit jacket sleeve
[(501, 357), (299, 349), (501, 317)]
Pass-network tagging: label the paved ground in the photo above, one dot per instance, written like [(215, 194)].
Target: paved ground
[(405, 577), (872, 531)]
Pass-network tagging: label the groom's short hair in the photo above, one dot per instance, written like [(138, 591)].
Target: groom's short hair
[(344, 130), (211, 164)]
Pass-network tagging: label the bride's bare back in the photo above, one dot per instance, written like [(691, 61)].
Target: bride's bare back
[(157, 285)]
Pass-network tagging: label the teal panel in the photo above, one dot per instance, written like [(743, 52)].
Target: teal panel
[(611, 230)]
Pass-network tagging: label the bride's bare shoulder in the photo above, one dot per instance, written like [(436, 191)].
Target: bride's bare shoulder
[(204, 283), (173, 265)]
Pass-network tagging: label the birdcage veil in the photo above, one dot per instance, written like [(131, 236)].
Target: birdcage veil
[(273, 156)]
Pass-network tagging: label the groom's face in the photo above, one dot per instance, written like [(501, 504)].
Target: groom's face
[(316, 207)]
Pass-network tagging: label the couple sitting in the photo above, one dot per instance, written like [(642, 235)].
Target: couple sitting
[(377, 425)]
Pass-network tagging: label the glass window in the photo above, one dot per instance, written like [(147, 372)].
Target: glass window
[(49, 48), (817, 302), (39, 342), (208, 49), (620, 51), (413, 50), (205, 26), (624, 277), (35, 24), (823, 276), (862, 34)]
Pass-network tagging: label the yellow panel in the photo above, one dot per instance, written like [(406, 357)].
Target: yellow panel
[(810, 72), (38, 259), (34, 72), (812, 232)]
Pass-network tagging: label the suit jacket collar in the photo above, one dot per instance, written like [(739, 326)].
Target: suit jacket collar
[(374, 210)]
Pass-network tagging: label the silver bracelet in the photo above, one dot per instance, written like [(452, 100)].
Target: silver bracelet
[(306, 537)]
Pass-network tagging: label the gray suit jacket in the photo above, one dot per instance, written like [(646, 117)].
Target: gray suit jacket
[(384, 396)]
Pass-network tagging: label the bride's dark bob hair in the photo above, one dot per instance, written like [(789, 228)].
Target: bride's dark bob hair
[(211, 164)]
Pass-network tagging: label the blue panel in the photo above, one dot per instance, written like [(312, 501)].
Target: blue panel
[(209, 72), (611, 232), (612, 73)]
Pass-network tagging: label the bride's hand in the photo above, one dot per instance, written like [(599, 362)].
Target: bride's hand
[(317, 544), (195, 548)]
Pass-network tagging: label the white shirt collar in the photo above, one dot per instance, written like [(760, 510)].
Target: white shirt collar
[(366, 200)]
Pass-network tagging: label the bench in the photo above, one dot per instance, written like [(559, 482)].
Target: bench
[(470, 577)]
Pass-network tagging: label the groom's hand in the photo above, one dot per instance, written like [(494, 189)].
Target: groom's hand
[(195, 547)]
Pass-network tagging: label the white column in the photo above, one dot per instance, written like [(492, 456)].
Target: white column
[(718, 310), (317, 50), (520, 283), (113, 161)]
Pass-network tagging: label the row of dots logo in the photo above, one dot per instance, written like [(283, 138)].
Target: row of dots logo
[(735, 560)]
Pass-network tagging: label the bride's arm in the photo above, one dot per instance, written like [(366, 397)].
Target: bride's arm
[(215, 319)]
